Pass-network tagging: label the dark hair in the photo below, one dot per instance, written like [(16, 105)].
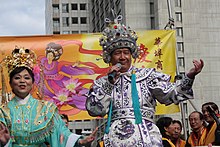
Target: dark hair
[(212, 104), (201, 117), (64, 116), (162, 123), (178, 122), (20, 69)]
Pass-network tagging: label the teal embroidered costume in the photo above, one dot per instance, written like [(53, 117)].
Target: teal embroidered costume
[(34, 123)]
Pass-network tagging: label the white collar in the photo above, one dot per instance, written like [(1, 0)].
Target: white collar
[(21, 101)]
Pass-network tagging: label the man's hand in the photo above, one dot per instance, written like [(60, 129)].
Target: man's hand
[(89, 139), (114, 70), (198, 66), (4, 134)]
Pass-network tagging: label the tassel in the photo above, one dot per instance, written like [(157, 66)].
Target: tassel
[(4, 98), (109, 119), (135, 99)]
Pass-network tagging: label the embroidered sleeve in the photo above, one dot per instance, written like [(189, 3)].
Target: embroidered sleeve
[(166, 92), (99, 96)]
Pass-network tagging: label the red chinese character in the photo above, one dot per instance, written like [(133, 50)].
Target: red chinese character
[(143, 54)]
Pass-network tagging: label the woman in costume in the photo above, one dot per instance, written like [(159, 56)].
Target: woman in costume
[(26, 121), (56, 73)]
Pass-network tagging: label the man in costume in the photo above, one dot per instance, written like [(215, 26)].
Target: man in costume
[(129, 94), (26, 121)]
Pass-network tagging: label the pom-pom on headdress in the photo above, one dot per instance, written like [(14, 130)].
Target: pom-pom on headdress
[(116, 35), (20, 57)]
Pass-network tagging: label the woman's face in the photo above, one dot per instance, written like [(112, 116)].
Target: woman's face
[(21, 84), (50, 57), (170, 129)]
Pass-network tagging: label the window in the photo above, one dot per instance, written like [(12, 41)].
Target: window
[(178, 3), (65, 8), (56, 32), (82, 6), (66, 32), (152, 21), (75, 32), (83, 32), (179, 16), (179, 31), (151, 8), (55, 8), (65, 21), (74, 20), (83, 20), (181, 62), (180, 46), (79, 131), (56, 22), (74, 7)]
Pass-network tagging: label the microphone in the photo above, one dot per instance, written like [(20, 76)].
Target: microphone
[(111, 75)]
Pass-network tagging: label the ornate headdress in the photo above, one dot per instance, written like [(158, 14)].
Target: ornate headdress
[(20, 57), (56, 49), (116, 35)]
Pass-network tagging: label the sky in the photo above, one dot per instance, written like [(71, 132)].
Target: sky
[(22, 17)]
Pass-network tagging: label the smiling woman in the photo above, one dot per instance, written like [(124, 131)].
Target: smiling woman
[(22, 18), (29, 121)]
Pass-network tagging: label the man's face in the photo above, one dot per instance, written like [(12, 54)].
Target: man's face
[(177, 131), (122, 56), (195, 121)]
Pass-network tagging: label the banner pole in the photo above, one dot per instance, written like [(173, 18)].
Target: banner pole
[(170, 25)]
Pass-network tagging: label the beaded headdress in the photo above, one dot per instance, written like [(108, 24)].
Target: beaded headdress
[(20, 57), (116, 35)]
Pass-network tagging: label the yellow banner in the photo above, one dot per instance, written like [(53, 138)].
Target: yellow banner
[(69, 71)]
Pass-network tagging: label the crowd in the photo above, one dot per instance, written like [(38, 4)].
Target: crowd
[(204, 128), (127, 94)]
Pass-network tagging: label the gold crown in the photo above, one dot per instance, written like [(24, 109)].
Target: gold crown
[(20, 57)]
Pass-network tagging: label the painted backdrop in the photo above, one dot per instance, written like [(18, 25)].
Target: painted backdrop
[(66, 76)]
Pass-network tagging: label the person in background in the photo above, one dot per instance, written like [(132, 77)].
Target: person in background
[(128, 94), (26, 121), (198, 135), (65, 119), (211, 115), (176, 134), (166, 127)]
